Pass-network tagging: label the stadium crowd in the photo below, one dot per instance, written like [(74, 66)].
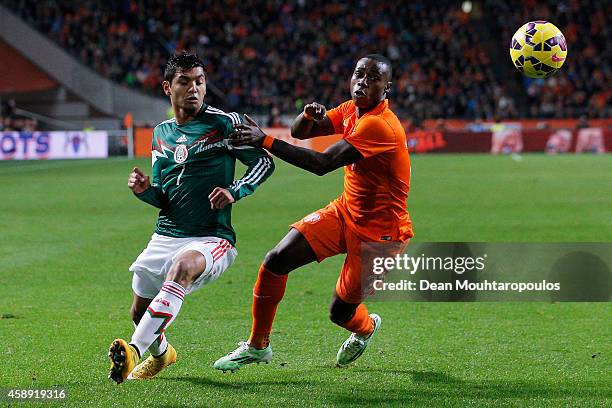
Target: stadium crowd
[(275, 56), (10, 121)]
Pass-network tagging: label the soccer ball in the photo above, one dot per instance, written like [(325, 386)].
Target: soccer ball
[(538, 49)]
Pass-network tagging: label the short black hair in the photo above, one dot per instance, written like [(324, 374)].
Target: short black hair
[(182, 62), (381, 58)]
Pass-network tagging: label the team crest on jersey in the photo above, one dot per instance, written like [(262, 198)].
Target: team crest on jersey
[(180, 153), (312, 218)]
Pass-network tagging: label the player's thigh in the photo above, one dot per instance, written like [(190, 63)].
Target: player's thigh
[(212, 257), (324, 231), (159, 249)]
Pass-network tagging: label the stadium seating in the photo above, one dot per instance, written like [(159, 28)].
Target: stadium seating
[(263, 56)]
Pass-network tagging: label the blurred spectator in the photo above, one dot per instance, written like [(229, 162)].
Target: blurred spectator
[(274, 119), (477, 126), (18, 124), (582, 122), (504, 104), (441, 125), (8, 108), (10, 121), (29, 125)]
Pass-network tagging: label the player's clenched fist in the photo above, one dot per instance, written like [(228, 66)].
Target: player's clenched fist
[(137, 181), (315, 110), (219, 198)]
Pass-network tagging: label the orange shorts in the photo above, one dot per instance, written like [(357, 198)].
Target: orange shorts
[(328, 234)]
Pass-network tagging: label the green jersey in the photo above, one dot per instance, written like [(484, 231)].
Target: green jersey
[(188, 162)]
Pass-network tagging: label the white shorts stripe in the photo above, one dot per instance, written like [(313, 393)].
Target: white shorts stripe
[(222, 252), (219, 248)]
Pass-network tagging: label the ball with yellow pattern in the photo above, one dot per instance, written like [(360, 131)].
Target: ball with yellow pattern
[(538, 49)]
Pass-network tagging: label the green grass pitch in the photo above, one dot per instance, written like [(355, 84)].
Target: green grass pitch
[(70, 229)]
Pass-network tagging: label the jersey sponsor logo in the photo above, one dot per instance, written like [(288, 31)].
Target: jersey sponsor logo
[(202, 147), (208, 137), (312, 218), (180, 153), (181, 139), (208, 141)]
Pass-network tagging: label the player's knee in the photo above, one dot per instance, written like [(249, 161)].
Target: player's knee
[(273, 261), (183, 272)]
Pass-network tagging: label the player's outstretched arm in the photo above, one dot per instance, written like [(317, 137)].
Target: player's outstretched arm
[(337, 155), (312, 122)]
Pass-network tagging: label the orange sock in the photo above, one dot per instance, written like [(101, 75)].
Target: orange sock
[(267, 293), (361, 323)]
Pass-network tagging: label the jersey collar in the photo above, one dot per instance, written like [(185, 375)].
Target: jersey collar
[(202, 109), (377, 110)]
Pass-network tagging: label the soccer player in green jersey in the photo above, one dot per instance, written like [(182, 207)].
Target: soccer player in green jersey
[(193, 186)]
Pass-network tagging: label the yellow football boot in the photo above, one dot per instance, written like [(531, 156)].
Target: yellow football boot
[(153, 365), (124, 358)]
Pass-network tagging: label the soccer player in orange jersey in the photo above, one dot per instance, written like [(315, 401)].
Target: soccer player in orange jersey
[(372, 207)]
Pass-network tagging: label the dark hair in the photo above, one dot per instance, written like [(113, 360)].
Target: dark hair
[(381, 58), (181, 62)]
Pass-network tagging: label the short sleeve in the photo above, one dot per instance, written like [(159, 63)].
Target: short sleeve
[(372, 136), (336, 115)]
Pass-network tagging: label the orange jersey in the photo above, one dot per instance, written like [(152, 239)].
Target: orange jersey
[(376, 187)]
